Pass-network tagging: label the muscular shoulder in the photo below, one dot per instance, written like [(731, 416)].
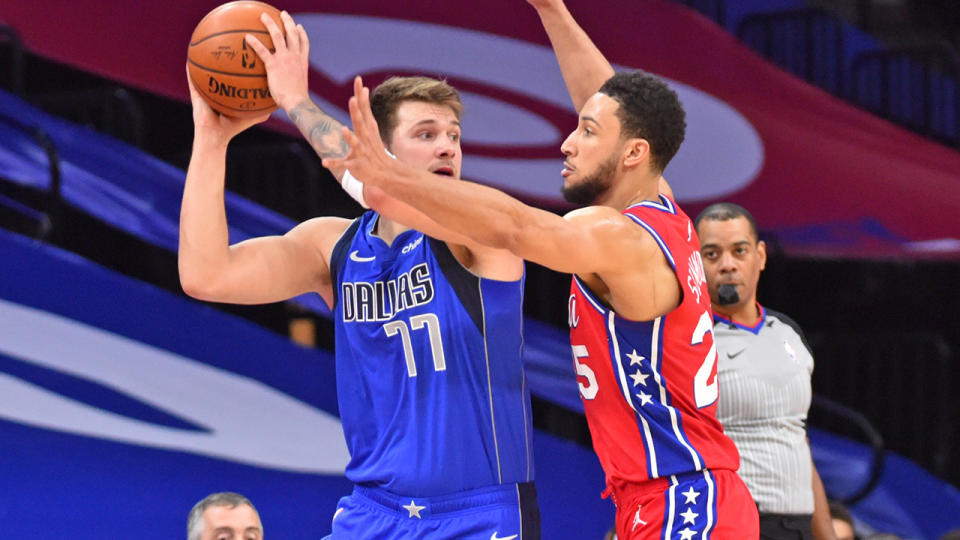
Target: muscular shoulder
[(613, 230), (320, 233)]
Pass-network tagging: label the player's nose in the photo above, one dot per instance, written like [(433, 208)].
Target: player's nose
[(446, 148), (567, 147)]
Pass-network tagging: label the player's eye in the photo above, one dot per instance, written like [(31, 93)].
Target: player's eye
[(454, 137)]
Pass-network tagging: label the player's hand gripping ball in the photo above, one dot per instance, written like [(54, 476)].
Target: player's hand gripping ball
[(224, 69)]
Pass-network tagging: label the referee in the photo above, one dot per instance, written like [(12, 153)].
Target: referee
[(763, 372)]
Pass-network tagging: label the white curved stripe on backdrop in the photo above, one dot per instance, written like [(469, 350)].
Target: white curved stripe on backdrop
[(722, 152), (248, 422)]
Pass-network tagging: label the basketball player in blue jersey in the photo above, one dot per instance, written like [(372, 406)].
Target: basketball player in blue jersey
[(431, 389)]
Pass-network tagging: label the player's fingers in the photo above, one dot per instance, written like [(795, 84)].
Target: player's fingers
[(304, 41), (341, 162), (359, 103), (367, 111), (275, 34), (193, 89), (258, 47), (357, 86), (290, 29), (355, 117)]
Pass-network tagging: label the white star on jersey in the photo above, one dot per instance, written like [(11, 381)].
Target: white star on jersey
[(689, 516), (639, 378), (413, 509), (691, 495), (646, 399), (687, 534), (635, 358)]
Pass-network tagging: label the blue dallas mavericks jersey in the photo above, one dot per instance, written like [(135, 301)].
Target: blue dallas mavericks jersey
[(430, 381)]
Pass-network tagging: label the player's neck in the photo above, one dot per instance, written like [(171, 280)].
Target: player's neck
[(388, 230), (641, 189), (628, 189)]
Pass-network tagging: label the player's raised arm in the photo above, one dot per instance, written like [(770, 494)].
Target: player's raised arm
[(583, 66), (260, 270)]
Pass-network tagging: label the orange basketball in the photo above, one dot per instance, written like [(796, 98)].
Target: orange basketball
[(224, 69)]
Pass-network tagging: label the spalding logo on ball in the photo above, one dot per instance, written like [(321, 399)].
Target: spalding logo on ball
[(224, 69)]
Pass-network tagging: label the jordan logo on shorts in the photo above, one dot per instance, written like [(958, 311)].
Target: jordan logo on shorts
[(636, 518)]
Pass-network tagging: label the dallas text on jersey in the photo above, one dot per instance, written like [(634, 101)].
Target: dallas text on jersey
[(381, 300)]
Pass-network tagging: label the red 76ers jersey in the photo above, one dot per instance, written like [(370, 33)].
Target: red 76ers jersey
[(649, 388)]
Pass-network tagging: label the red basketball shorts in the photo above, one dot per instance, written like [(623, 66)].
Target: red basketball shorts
[(714, 505)]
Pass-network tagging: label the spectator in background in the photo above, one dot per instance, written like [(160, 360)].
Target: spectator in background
[(224, 515), (763, 373)]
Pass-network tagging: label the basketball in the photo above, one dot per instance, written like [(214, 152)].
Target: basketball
[(224, 69)]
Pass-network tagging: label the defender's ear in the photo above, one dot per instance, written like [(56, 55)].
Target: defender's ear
[(636, 151)]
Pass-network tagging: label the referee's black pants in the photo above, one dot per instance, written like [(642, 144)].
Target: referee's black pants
[(786, 527)]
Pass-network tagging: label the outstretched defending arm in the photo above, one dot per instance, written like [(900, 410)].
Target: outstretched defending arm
[(486, 215), (583, 66)]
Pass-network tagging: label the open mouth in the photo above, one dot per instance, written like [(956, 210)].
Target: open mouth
[(444, 171)]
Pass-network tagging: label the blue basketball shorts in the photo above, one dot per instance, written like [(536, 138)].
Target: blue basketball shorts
[(505, 512)]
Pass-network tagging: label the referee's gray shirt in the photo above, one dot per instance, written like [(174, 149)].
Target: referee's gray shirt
[(764, 376)]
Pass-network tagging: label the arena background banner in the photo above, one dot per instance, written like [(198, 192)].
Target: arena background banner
[(821, 176), (121, 405)]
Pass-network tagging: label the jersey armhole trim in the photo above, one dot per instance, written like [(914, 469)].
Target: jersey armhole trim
[(339, 255), (656, 236)]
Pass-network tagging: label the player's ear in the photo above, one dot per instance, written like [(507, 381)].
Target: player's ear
[(762, 253), (635, 152)]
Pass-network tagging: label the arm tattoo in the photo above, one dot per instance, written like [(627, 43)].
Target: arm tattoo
[(321, 130)]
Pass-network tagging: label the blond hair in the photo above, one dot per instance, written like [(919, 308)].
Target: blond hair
[(389, 95)]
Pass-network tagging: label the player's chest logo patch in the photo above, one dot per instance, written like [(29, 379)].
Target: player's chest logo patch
[(572, 318)]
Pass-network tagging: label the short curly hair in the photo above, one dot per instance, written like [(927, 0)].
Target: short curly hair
[(650, 110)]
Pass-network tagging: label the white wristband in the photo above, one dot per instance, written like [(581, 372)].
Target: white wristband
[(354, 188)]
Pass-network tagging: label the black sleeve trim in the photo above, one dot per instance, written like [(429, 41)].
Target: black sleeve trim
[(464, 283), (792, 324), (339, 256)]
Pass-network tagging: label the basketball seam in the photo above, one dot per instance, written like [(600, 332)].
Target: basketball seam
[(211, 70), (238, 30)]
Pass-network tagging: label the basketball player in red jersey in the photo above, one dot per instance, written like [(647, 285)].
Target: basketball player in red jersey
[(639, 310)]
